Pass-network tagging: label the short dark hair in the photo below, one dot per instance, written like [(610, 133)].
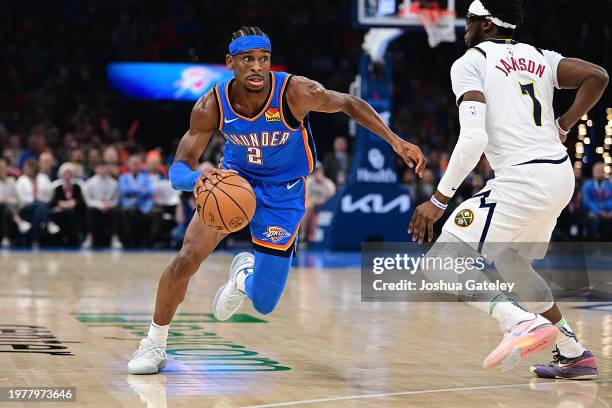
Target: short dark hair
[(509, 11), (246, 31)]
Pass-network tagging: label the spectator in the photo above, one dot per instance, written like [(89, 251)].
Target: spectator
[(571, 225), (136, 191), (165, 200), (102, 197), (111, 157), (184, 213), (67, 207), (597, 202), (9, 216), (34, 192), (77, 158), (46, 164), (336, 164), (93, 158), (320, 189)]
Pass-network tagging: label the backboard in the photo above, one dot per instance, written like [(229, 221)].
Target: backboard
[(397, 13)]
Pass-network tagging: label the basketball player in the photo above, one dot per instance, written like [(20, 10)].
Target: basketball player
[(504, 90), (264, 118)]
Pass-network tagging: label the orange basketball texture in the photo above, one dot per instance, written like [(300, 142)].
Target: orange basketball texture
[(226, 205)]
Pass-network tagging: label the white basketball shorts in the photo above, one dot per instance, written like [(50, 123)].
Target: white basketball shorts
[(517, 209)]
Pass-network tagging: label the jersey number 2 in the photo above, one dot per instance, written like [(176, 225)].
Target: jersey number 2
[(254, 155), (529, 89)]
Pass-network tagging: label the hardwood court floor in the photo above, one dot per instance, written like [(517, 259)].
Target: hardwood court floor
[(322, 347)]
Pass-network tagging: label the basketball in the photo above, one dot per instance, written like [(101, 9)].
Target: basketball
[(226, 205)]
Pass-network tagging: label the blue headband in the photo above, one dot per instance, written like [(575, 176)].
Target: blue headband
[(250, 42)]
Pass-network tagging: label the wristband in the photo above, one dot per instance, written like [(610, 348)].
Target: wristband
[(182, 177), (560, 129), (437, 203)]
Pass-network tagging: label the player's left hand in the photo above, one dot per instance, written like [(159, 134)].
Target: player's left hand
[(412, 155), (423, 220)]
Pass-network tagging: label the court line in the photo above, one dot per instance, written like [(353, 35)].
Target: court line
[(392, 394)]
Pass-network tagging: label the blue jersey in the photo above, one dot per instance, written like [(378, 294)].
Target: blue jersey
[(271, 146)]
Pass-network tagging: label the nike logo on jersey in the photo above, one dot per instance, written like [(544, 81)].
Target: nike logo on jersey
[(290, 186), (230, 121)]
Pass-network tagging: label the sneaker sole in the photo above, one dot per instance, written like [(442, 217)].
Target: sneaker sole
[(519, 348), (160, 367), (216, 299), (558, 377)]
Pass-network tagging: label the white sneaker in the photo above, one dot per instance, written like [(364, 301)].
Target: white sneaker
[(86, 243), (24, 226), (115, 243), (6, 242), (53, 228), (148, 359), (228, 297)]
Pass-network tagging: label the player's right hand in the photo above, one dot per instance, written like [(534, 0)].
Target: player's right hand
[(412, 155), (423, 220), (214, 175)]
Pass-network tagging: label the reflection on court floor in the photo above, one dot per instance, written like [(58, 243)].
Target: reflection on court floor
[(73, 319)]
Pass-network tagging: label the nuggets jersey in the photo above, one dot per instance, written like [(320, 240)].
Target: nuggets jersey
[(271, 146), (518, 82)]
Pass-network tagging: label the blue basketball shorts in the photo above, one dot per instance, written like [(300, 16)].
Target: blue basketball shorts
[(279, 212)]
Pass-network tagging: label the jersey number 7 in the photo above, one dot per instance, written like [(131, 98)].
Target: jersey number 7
[(529, 89)]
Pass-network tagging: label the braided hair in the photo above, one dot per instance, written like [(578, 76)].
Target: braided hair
[(246, 31)]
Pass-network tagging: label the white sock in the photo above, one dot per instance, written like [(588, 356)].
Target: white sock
[(158, 334), (566, 340), (508, 313), (241, 278)]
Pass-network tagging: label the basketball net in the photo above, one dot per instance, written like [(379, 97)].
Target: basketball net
[(439, 23)]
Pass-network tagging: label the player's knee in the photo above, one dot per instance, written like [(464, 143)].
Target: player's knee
[(266, 298), (265, 306), (186, 263)]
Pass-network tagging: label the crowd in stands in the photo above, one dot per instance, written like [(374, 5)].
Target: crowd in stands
[(77, 170)]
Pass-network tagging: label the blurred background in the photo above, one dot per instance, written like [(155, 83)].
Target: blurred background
[(96, 94)]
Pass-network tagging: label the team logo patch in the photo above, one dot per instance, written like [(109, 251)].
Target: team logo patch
[(276, 234), (464, 218), (273, 115)]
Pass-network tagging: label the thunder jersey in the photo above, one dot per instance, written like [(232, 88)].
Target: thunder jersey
[(271, 146), (518, 81)]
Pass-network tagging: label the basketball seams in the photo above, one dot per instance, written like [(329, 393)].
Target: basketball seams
[(237, 185), (217, 203), (219, 211), (234, 201)]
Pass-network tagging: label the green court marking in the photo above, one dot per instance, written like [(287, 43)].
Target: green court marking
[(134, 317), (191, 345)]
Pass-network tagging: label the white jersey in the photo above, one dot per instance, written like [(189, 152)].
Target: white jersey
[(518, 82)]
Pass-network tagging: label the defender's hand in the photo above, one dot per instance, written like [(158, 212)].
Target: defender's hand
[(214, 175), (412, 155), (423, 220)]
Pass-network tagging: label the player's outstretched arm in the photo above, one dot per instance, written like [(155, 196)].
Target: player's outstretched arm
[(203, 122), (590, 80), (305, 95)]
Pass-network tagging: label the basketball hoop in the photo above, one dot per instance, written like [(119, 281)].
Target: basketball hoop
[(439, 23)]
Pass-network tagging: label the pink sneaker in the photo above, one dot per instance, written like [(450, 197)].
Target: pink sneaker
[(524, 339)]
